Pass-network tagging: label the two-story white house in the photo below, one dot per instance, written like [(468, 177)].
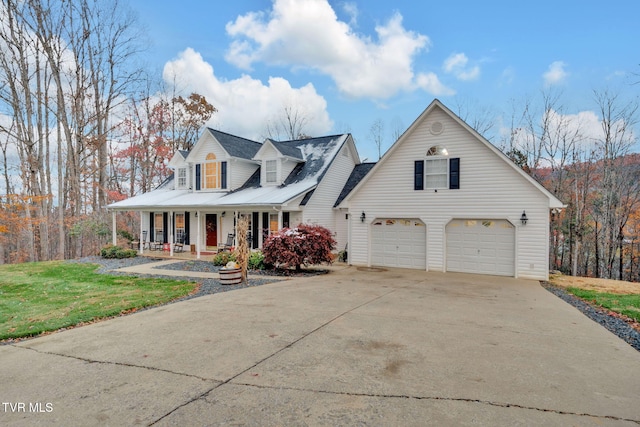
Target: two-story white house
[(442, 198), (275, 184)]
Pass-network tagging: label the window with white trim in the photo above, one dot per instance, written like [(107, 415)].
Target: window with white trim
[(180, 228), (436, 173), (436, 170), (182, 177), (271, 171), (211, 172)]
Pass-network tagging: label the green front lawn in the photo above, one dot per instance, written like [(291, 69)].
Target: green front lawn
[(46, 296), (628, 305)]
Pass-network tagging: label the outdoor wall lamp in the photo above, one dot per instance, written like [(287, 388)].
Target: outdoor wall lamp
[(363, 217), (523, 218), (223, 214)]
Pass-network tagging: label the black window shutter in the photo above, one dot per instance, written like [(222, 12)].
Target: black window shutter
[(152, 231), (186, 228), (286, 217), (454, 173), (265, 226), (165, 226), (418, 175), (223, 174), (198, 176), (255, 229)]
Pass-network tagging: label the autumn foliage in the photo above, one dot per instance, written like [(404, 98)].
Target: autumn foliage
[(303, 245)]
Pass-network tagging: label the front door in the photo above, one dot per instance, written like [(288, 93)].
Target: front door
[(211, 226)]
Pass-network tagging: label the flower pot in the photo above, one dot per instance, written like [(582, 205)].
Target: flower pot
[(231, 276)]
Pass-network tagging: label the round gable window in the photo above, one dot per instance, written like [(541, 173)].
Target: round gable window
[(436, 128)]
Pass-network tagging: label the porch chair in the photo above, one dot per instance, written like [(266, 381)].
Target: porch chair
[(178, 246), (229, 243)]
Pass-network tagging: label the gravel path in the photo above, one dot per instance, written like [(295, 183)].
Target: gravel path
[(611, 323)]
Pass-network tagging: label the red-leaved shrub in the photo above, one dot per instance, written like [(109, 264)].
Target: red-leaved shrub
[(303, 245)]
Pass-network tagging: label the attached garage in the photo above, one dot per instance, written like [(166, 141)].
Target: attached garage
[(483, 246), (399, 242)]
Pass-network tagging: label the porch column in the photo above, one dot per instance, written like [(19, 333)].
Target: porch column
[(235, 229), (279, 220), (198, 237), (170, 233), (141, 235), (114, 238)]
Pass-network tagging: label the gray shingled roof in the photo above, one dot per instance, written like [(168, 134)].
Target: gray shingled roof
[(314, 151), (359, 172), (288, 149), (235, 145)]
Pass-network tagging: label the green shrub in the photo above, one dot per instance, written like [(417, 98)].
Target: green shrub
[(223, 258), (256, 261), (111, 251), (125, 235)]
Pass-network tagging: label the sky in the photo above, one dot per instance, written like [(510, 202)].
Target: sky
[(348, 64)]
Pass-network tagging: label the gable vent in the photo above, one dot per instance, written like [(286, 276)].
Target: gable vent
[(436, 128)]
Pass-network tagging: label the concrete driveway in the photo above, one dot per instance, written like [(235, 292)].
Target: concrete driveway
[(397, 347)]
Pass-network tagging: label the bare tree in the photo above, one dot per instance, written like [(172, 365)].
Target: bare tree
[(619, 195), (376, 133), (397, 128), (65, 67), (481, 119), (289, 124)]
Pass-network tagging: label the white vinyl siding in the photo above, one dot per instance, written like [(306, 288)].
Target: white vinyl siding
[(489, 188), (319, 208)]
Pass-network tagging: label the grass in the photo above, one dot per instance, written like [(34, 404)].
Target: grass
[(627, 305), (46, 296), (615, 295)]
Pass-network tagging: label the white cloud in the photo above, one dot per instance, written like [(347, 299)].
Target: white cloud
[(555, 74), (456, 64), (246, 104), (307, 33), (351, 9), (508, 76)]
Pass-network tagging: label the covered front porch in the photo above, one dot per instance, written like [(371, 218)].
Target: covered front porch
[(202, 232)]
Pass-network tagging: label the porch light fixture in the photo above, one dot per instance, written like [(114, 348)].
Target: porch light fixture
[(223, 214), (363, 217), (523, 218)]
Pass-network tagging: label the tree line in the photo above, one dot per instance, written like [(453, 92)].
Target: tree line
[(82, 124), (594, 171)]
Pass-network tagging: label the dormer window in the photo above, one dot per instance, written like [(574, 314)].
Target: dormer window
[(182, 177), (437, 171), (212, 174), (271, 171)]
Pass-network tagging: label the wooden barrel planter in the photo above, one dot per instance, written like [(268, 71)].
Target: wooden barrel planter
[(230, 276)]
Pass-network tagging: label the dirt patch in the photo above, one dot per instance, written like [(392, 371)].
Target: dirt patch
[(600, 285)]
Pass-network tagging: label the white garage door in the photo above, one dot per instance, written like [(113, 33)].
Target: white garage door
[(399, 243), (481, 246)]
